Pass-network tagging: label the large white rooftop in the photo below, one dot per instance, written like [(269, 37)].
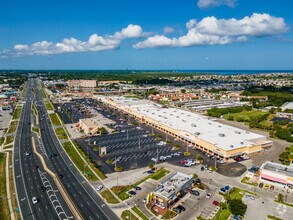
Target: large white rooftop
[(192, 125)]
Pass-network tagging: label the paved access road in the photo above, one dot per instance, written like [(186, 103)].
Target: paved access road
[(29, 179), (84, 196)]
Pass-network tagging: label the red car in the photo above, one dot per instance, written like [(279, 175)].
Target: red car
[(183, 162), (216, 203)]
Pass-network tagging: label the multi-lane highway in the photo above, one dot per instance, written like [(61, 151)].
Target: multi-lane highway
[(83, 195), (30, 178)]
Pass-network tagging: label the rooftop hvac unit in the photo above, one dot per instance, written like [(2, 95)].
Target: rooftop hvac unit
[(193, 125), (221, 135), (231, 146), (237, 132), (197, 133)]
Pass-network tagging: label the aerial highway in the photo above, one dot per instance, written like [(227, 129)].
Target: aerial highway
[(37, 193), (83, 195)]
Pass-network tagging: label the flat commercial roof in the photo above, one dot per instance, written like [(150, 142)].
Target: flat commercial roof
[(172, 185), (192, 125), (278, 168)]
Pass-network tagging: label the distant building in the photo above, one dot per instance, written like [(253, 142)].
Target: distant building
[(288, 105), (91, 126), (277, 173), (79, 84), (284, 115)]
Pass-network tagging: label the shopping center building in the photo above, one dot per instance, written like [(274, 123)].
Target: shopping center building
[(194, 129)]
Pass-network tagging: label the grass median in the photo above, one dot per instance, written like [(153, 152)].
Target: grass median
[(55, 120), (16, 113), (34, 109), (61, 134), (49, 105), (4, 208), (78, 161), (139, 213), (106, 194), (43, 93), (36, 130), (12, 127)]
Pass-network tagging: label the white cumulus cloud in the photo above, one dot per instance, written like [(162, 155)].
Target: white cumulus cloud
[(211, 31), (168, 30), (203, 4), (95, 42)]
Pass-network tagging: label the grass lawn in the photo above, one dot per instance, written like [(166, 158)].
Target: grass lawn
[(246, 181), (106, 194), (222, 214), (127, 215), (55, 120), (49, 105), (34, 109), (77, 160), (2, 140), (44, 94), (37, 130), (245, 115), (139, 213), (121, 191), (61, 134), (273, 217), (4, 209), (169, 214), (160, 174), (12, 127), (16, 113), (9, 140)]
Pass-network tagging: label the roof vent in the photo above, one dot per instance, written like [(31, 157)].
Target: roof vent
[(231, 146), (197, 133), (237, 132), (221, 135), (193, 125)]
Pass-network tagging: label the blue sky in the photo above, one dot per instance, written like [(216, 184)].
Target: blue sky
[(152, 34)]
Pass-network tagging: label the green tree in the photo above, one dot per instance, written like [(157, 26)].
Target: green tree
[(183, 90), (237, 207), (151, 165)]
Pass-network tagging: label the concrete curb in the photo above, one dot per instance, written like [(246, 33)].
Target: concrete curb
[(12, 216)]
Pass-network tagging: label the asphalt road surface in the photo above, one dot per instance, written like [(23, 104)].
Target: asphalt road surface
[(87, 201), (29, 179)]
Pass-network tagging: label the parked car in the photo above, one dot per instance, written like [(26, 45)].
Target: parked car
[(137, 188), (100, 187), (248, 196), (194, 192), (27, 153), (260, 185), (209, 195), (131, 192), (216, 203), (202, 168), (144, 200), (272, 187), (181, 208), (183, 162), (150, 172)]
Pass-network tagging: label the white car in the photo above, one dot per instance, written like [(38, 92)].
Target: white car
[(35, 200), (163, 158), (154, 159), (100, 187), (209, 195), (27, 153)]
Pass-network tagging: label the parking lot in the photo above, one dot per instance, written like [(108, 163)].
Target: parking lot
[(132, 146)]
